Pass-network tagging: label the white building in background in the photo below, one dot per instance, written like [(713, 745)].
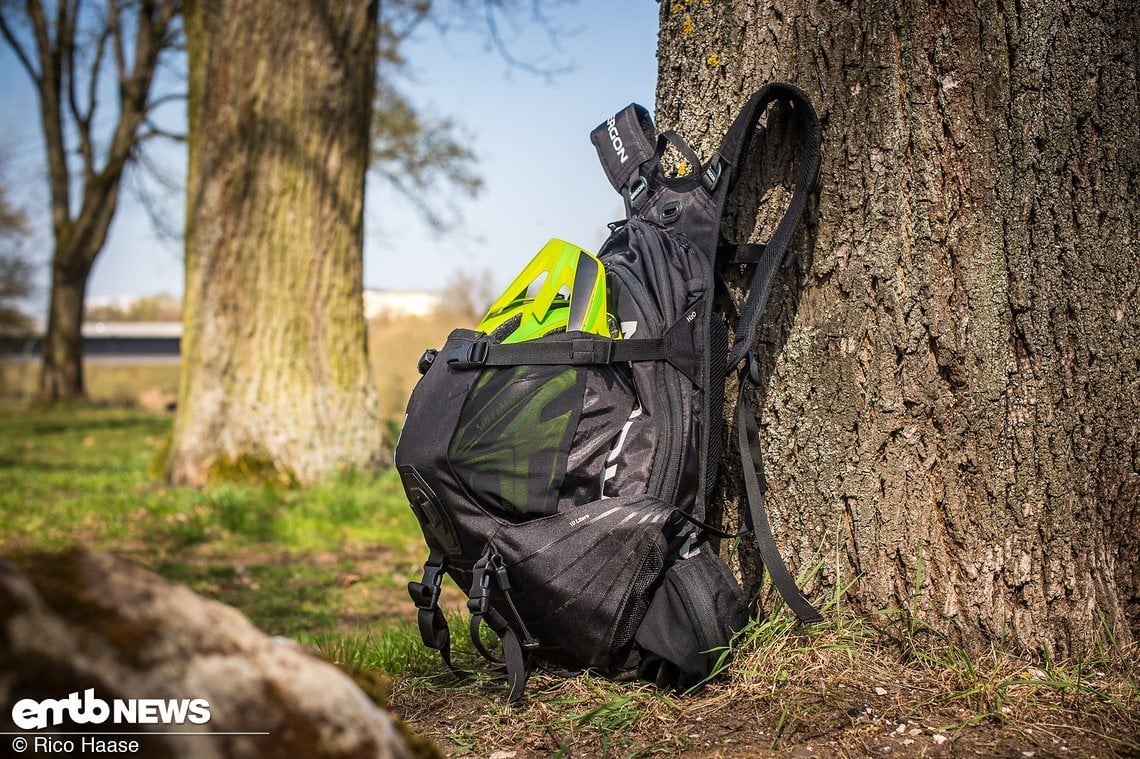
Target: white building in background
[(399, 303)]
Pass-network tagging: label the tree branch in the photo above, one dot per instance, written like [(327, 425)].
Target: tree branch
[(50, 86), (21, 54), (66, 40), (164, 99), (500, 44), (114, 23), (153, 130)]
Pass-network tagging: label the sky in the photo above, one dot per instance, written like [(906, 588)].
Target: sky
[(530, 135)]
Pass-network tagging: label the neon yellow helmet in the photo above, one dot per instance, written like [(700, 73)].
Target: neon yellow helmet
[(572, 297)]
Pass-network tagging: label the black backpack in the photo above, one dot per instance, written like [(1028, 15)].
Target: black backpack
[(562, 482)]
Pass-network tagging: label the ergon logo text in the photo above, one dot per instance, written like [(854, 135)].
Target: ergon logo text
[(615, 139), (30, 714)]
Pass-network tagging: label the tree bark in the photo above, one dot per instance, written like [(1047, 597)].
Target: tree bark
[(62, 375), (950, 416), (275, 368)]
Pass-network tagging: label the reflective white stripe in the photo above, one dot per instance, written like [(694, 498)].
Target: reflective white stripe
[(605, 514)]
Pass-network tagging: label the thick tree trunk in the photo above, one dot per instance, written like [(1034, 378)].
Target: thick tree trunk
[(950, 422), (275, 369)]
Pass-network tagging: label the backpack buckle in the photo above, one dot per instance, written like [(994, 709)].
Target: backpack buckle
[(479, 599), (712, 173), (469, 356), (636, 195), (426, 360), (425, 594), (753, 368)]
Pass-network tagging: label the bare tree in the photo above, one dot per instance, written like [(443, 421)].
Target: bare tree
[(77, 53), (951, 417)]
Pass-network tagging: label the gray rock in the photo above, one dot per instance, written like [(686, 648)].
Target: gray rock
[(112, 633)]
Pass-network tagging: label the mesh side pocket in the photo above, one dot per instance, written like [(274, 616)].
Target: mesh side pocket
[(634, 612)]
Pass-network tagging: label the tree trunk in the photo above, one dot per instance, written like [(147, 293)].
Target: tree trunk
[(275, 369), (62, 375), (78, 243), (949, 424)]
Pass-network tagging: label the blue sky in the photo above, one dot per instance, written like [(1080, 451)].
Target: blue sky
[(530, 135)]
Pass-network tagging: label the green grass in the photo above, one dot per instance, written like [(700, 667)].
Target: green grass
[(289, 558)]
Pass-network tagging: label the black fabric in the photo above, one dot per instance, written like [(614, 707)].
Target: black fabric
[(576, 576), (625, 143), (510, 446), (690, 621)]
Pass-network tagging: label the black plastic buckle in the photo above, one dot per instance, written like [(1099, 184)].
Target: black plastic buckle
[(636, 195), (637, 188), (753, 368), (469, 356), (425, 594), (670, 212), (496, 565), (712, 173), (427, 360), (479, 600)]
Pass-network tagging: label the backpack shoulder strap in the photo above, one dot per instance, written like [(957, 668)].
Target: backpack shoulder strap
[(626, 145), (721, 174)]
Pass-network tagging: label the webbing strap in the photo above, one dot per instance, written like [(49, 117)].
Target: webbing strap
[(579, 351), (514, 656), (434, 631), (517, 669), (748, 438), (727, 165), (477, 640), (489, 570)]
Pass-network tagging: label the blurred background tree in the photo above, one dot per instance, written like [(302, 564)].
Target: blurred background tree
[(285, 118), (16, 272), (93, 65)]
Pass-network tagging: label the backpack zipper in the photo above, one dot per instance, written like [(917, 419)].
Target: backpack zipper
[(657, 483)]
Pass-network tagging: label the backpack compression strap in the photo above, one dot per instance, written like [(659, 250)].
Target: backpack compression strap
[(748, 438), (425, 595), (626, 145), (721, 174)]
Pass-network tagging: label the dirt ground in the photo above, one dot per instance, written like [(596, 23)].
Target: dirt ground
[(842, 716), (839, 693)]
